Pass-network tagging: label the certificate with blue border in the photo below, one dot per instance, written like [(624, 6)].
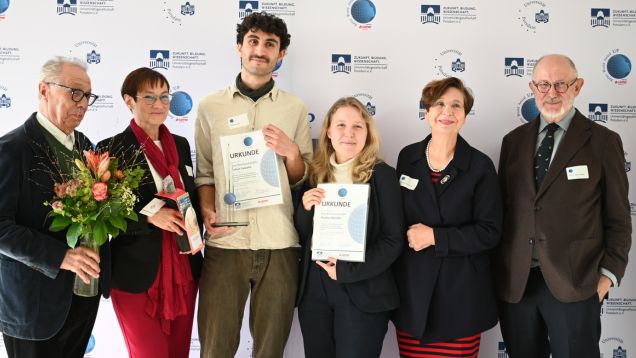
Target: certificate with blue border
[(340, 223)]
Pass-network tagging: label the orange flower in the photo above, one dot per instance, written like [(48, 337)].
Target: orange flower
[(119, 175), (97, 163)]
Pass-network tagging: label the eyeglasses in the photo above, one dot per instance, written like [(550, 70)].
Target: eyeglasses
[(77, 94), (150, 99), (560, 87)]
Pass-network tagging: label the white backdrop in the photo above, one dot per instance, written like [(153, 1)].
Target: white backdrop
[(381, 51)]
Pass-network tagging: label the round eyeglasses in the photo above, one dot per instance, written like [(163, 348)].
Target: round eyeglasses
[(151, 99), (560, 87), (77, 94)]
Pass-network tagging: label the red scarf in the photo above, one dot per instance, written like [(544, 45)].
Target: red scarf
[(167, 295)]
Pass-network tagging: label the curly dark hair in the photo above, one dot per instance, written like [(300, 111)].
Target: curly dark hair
[(266, 23), (435, 89)]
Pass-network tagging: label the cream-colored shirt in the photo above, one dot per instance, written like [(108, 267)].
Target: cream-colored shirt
[(269, 227), (66, 140), (342, 172)]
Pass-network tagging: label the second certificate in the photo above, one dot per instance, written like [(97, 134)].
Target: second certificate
[(340, 223), (251, 171)]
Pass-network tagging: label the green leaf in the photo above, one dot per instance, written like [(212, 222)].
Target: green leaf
[(132, 216), (100, 233), (118, 222), (60, 223), (73, 234)]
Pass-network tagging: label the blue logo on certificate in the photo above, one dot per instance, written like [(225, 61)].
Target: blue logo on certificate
[(248, 141), (342, 192)]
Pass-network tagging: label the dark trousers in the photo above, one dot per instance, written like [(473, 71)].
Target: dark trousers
[(539, 324), (69, 342), (332, 326)]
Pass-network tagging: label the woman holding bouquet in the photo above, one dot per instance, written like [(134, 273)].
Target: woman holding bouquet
[(154, 285), (344, 307)]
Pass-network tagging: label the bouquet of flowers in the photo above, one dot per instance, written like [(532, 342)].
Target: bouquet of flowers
[(95, 201)]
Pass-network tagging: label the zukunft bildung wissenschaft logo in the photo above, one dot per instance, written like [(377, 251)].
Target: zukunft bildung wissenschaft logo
[(435, 14), (527, 110), (86, 7), (611, 112), (159, 59), (617, 66), (361, 13), (600, 17)]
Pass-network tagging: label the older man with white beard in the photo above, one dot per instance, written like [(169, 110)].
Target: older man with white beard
[(567, 224)]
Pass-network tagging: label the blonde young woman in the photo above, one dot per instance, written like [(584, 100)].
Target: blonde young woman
[(344, 307)]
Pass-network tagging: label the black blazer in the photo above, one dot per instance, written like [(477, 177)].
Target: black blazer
[(137, 252), (35, 294), (370, 284), (446, 290)]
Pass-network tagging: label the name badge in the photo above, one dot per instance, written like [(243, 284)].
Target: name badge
[(408, 182), (238, 121), (152, 207), (577, 172)]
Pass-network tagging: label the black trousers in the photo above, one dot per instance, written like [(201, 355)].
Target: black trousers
[(332, 326), (69, 342), (540, 325)]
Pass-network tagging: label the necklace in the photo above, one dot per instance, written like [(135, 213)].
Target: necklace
[(428, 161)]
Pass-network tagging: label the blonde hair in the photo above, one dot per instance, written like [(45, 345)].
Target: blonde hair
[(320, 170)]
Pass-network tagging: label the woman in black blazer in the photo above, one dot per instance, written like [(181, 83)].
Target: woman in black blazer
[(344, 307), (154, 286), (453, 212)]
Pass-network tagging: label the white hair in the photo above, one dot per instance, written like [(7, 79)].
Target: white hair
[(52, 68)]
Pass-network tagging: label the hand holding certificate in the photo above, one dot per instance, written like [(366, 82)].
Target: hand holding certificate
[(340, 222), (252, 175)]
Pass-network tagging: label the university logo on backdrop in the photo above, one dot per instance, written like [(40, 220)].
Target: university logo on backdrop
[(430, 14), (450, 63), (4, 6), (176, 11), (617, 67), (436, 14), (501, 350), (600, 17), (87, 51), (280, 9), (615, 113), (614, 347), (514, 66), (340, 63), (5, 100), (367, 100), (160, 59), (361, 13), (85, 7), (527, 109), (533, 15)]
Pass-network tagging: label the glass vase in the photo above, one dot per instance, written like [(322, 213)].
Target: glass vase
[(80, 288)]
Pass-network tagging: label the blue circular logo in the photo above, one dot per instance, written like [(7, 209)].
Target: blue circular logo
[(529, 110), (342, 192), (312, 117), (4, 5), (181, 103), (363, 11), (91, 341), (278, 64), (229, 198), (619, 66), (248, 141)]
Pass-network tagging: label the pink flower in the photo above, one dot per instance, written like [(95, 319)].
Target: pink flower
[(100, 191), (72, 186), (57, 206), (60, 190)]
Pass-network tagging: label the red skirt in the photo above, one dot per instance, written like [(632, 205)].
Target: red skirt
[(411, 347)]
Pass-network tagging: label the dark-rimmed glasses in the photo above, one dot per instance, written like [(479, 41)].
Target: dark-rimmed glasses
[(560, 87), (77, 94), (151, 99)]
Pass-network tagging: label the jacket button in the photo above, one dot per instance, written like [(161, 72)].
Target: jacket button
[(531, 241)]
